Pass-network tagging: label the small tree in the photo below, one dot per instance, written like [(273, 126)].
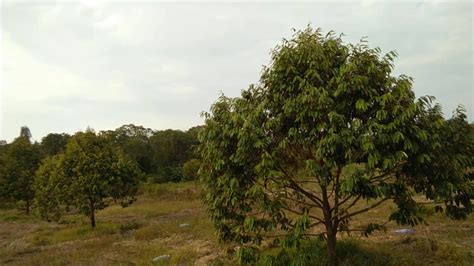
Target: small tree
[(51, 188), (89, 172), (328, 126), (18, 163), (190, 169)]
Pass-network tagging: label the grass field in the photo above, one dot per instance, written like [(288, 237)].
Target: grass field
[(151, 227)]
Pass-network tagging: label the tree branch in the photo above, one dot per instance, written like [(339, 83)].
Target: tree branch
[(350, 205), (344, 201), (296, 187), (302, 213), (364, 209), (300, 202)]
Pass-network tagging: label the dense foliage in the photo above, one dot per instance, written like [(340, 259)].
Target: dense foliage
[(54, 143), (90, 171), (18, 163), (160, 155), (329, 127)]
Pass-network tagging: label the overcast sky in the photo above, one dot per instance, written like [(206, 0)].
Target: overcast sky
[(69, 65)]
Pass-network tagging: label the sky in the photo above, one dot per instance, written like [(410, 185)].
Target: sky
[(69, 65)]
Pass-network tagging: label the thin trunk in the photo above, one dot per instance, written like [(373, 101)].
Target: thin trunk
[(331, 229), (27, 207), (331, 246), (332, 223), (92, 215)]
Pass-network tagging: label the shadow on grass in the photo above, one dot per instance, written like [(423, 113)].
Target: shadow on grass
[(314, 253)]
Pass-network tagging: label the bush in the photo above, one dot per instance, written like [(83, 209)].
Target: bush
[(9, 218), (174, 173), (190, 169), (129, 226)]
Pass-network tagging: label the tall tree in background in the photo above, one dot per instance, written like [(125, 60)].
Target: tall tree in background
[(18, 163), (327, 128), (54, 143), (90, 171), (134, 141), (3, 146), (3, 143), (172, 148), (160, 154), (25, 133)]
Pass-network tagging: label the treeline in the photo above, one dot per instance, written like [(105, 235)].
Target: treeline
[(164, 155), (85, 169)]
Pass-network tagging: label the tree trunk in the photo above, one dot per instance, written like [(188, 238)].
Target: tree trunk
[(331, 245), (331, 229), (92, 215), (27, 207)]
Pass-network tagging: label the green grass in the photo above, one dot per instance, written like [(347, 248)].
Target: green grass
[(313, 252), (150, 227), (353, 251)]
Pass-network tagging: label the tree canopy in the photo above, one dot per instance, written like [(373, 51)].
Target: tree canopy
[(327, 128), (159, 153), (54, 143), (89, 172), (172, 148)]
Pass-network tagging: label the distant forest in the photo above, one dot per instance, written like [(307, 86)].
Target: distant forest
[(162, 155)]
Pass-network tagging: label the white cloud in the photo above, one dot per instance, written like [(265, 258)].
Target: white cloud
[(32, 80), (70, 65)]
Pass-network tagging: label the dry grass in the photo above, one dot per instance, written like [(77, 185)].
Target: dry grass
[(132, 235), (150, 228)]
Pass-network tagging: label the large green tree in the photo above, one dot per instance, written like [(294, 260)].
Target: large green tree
[(89, 173), (329, 133), (18, 163)]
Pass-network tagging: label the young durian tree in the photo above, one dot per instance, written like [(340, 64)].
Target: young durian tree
[(327, 134), (89, 173)]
